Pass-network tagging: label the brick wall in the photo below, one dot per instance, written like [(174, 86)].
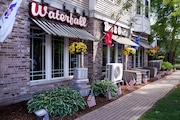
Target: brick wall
[(14, 56), (95, 52)]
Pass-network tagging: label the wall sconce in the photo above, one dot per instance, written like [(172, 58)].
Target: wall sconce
[(85, 13)]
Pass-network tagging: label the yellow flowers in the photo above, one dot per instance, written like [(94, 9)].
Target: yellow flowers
[(160, 57), (77, 47), (151, 52), (129, 50)]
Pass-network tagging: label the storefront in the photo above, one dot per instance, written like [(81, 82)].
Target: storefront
[(52, 31)]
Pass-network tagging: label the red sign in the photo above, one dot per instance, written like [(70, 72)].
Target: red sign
[(42, 11)]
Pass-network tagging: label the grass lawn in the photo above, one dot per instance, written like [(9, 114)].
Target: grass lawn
[(168, 108)]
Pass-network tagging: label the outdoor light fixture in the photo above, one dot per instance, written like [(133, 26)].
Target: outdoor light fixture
[(85, 13)]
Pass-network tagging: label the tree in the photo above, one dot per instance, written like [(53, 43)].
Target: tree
[(165, 29), (175, 4)]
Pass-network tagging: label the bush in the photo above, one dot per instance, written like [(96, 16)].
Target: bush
[(100, 87), (177, 66), (60, 101), (166, 66)]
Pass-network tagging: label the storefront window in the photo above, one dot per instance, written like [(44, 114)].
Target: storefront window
[(112, 53), (37, 55), (49, 57), (104, 57), (137, 59), (120, 53), (57, 56)]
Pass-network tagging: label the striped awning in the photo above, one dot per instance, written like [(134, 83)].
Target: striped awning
[(63, 30), (123, 40)]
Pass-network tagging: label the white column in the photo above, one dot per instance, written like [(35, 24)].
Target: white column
[(48, 58), (139, 59), (108, 54), (66, 57)]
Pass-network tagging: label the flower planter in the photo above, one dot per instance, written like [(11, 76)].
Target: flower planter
[(81, 81)]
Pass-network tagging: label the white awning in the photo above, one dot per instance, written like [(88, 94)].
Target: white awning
[(63, 30), (145, 45), (124, 40)]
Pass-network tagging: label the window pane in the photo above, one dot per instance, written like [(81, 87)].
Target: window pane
[(37, 55), (104, 57), (147, 9), (57, 56), (73, 60), (112, 53), (138, 7), (120, 52)]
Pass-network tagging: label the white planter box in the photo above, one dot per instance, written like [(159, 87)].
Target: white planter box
[(80, 73)]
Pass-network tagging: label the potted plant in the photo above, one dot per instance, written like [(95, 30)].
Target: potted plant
[(77, 48), (129, 51), (151, 53), (80, 74)]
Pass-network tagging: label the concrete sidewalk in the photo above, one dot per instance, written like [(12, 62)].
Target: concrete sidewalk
[(135, 104)]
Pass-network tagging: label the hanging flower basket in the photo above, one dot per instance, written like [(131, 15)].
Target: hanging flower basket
[(151, 52), (129, 51), (77, 48)]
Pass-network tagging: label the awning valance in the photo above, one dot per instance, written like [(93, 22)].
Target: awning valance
[(63, 30), (124, 40), (145, 45)]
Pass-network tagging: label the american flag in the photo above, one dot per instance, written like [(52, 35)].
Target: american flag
[(109, 94), (145, 80), (127, 85), (119, 92), (159, 76), (8, 18), (132, 81), (91, 100)]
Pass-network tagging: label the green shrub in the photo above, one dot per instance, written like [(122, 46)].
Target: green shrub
[(177, 66), (60, 101), (100, 87), (166, 66), (163, 67)]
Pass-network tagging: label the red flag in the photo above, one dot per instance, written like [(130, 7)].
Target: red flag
[(145, 80), (91, 100), (108, 38)]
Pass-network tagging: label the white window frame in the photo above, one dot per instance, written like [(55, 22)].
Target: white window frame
[(48, 61)]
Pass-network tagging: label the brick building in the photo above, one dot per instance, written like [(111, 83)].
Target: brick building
[(35, 55)]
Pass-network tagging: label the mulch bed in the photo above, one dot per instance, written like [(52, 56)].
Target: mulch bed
[(19, 111)]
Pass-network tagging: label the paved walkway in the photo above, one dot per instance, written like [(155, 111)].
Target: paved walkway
[(135, 104)]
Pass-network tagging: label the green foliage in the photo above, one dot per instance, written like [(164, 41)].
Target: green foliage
[(100, 87), (60, 101), (165, 28), (174, 3), (166, 66), (177, 66)]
